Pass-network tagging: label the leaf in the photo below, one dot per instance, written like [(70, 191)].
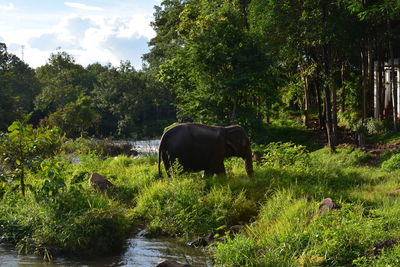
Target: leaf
[(18, 162), (15, 125)]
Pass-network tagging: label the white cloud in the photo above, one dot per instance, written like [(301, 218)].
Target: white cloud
[(115, 34), (83, 6), (7, 7), (95, 39)]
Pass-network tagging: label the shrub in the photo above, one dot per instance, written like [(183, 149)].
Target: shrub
[(183, 207), (343, 157), (284, 154), (376, 126), (393, 163), (23, 148)]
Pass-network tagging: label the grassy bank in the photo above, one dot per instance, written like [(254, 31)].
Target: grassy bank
[(278, 207)]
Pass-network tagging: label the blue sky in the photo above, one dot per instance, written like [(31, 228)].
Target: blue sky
[(105, 31)]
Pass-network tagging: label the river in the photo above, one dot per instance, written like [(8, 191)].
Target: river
[(139, 251), (146, 147)]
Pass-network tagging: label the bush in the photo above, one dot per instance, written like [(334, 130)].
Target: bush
[(376, 126), (23, 148), (284, 154), (183, 207), (343, 157), (393, 163)]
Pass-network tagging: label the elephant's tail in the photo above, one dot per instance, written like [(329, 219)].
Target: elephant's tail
[(161, 152), (159, 161)]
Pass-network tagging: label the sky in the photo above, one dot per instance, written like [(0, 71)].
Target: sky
[(104, 31)]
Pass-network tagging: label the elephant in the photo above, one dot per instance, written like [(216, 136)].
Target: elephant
[(200, 147)]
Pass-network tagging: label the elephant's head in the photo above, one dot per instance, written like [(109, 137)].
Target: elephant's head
[(238, 145)]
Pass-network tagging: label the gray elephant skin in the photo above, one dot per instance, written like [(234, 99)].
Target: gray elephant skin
[(200, 147)]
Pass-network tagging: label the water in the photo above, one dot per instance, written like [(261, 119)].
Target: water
[(146, 147), (139, 251)]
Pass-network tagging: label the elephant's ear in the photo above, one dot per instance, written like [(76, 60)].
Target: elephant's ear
[(233, 136), (231, 146)]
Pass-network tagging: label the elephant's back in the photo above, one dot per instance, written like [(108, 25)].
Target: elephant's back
[(192, 143), (192, 133)]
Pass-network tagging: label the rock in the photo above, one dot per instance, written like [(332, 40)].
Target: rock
[(395, 193), (375, 251), (328, 204), (171, 263), (99, 182), (199, 242), (236, 228)]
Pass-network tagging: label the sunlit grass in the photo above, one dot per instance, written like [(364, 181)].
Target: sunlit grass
[(278, 208)]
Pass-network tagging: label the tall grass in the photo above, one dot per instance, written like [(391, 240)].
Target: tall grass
[(278, 207), (290, 231)]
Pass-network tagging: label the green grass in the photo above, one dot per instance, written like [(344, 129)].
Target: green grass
[(278, 206), (387, 138), (286, 130)]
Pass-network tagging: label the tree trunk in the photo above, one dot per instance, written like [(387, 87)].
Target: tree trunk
[(233, 114), (335, 131), (378, 85), (342, 80), (306, 101), (370, 70), (326, 73), (327, 102), (364, 77), (393, 84), (319, 104)]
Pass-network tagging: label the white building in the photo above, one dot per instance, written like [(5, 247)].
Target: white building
[(384, 96)]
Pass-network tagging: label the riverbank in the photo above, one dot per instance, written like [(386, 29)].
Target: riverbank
[(137, 251), (269, 219)]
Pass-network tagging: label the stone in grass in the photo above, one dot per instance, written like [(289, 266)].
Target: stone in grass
[(328, 204), (171, 263), (376, 250), (100, 182), (395, 193)]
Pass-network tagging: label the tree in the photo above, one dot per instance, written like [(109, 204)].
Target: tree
[(18, 87), (132, 100), (65, 95), (24, 147), (221, 73), (62, 81)]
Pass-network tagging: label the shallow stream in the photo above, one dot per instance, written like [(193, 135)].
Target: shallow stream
[(138, 251)]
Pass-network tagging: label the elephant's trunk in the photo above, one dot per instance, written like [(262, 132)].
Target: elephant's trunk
[(248, 164)]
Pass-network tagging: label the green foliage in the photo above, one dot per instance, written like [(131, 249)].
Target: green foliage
[(376, 126), (344, 157), (133, 100), (393, 163), (353, 121), (237, 251), (182, 206), (24, 148), (284, 154), (222, 69), (18, 88), (63, 214), (290, 232), (75, 118)]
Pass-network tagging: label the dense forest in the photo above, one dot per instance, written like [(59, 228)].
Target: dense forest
[(224, 62)]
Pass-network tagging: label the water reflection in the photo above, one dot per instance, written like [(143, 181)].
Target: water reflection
[(139, 251)]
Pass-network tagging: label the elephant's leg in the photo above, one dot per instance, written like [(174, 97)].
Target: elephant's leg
[(221, 169), (167, 163), (217, 168)]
